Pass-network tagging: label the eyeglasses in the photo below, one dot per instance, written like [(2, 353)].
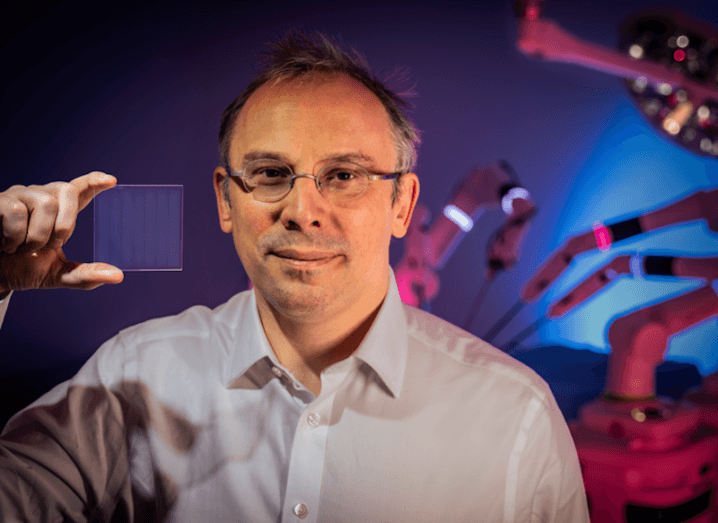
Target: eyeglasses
[(271, 180)]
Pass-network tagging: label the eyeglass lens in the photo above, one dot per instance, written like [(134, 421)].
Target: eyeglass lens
[(272, 180)]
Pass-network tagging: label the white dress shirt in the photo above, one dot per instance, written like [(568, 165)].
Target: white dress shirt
[(3, 307), (191, 418)]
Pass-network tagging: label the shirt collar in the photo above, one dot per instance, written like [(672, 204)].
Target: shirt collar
[(385, 346), (250, 344), (384, 349)]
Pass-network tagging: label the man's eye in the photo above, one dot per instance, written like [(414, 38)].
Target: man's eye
[(270, 173), (342, 175)]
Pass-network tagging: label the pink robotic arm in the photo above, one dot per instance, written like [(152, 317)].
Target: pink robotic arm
[(504, 248), (484, 188), (428, 248), (545, 39), (700, 205), (417, 281), (638, 341), (682, 267)]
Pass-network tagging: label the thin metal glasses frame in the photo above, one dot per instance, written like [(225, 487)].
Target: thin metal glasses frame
[(371, 175)]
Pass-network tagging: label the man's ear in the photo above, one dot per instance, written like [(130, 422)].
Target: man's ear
[(405, 204), (223, 207)]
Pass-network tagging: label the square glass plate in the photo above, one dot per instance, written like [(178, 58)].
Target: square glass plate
[(139, 227)]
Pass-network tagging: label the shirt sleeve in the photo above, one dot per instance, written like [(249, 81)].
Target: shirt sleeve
[(550, 472), (3, 307), (65, 457)]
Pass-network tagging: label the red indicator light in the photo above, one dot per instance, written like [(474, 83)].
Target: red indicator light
[(532, 13), (679, 55), (603, 237)]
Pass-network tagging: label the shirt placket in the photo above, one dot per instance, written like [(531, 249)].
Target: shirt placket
[(306, 465)]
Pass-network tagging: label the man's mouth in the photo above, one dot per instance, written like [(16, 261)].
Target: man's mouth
[(295, 259), (304, 256)]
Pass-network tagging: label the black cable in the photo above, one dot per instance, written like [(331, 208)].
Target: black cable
[(625, 229), (658, 265), (419, 289), (476, 305), (509, 169), (513, 311), (521, 336)]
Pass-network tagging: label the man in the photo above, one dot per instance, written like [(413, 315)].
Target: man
[(318, 396)]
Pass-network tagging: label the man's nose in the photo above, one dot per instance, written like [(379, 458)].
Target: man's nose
[(304, 207)]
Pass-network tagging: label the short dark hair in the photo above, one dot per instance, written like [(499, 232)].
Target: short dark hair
[(299, 55)]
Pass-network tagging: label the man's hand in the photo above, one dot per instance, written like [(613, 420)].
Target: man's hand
[(35, 222)]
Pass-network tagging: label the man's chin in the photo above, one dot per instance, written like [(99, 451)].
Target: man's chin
[(301, 276), (297, 296)]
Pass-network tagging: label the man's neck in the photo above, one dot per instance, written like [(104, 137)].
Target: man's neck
[(307, 348)]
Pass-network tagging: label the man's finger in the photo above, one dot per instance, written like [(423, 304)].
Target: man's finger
[(13, 215), (90, 185), (42, 208), (69, 206), (89, 275)]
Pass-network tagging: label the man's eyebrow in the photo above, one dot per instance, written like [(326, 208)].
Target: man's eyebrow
[(263, 155), (349, 157), (339, 157)]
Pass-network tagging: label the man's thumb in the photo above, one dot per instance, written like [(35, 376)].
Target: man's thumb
[(89, 275)]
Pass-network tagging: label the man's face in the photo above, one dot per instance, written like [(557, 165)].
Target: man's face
[(306, 255)]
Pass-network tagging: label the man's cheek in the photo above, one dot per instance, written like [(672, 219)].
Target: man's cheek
[(361, 218)]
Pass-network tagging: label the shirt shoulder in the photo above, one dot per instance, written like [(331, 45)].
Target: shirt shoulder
[(455, 348), (178, 357), (195, 322), (181, 362)]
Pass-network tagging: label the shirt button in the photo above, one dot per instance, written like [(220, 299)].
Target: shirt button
[(313, 419), (277, 372), (301, 510)]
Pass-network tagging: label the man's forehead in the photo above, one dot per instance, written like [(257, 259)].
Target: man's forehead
[(327, 110), (312, 93)]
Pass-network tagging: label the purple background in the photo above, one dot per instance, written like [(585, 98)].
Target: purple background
[(137, 91)]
